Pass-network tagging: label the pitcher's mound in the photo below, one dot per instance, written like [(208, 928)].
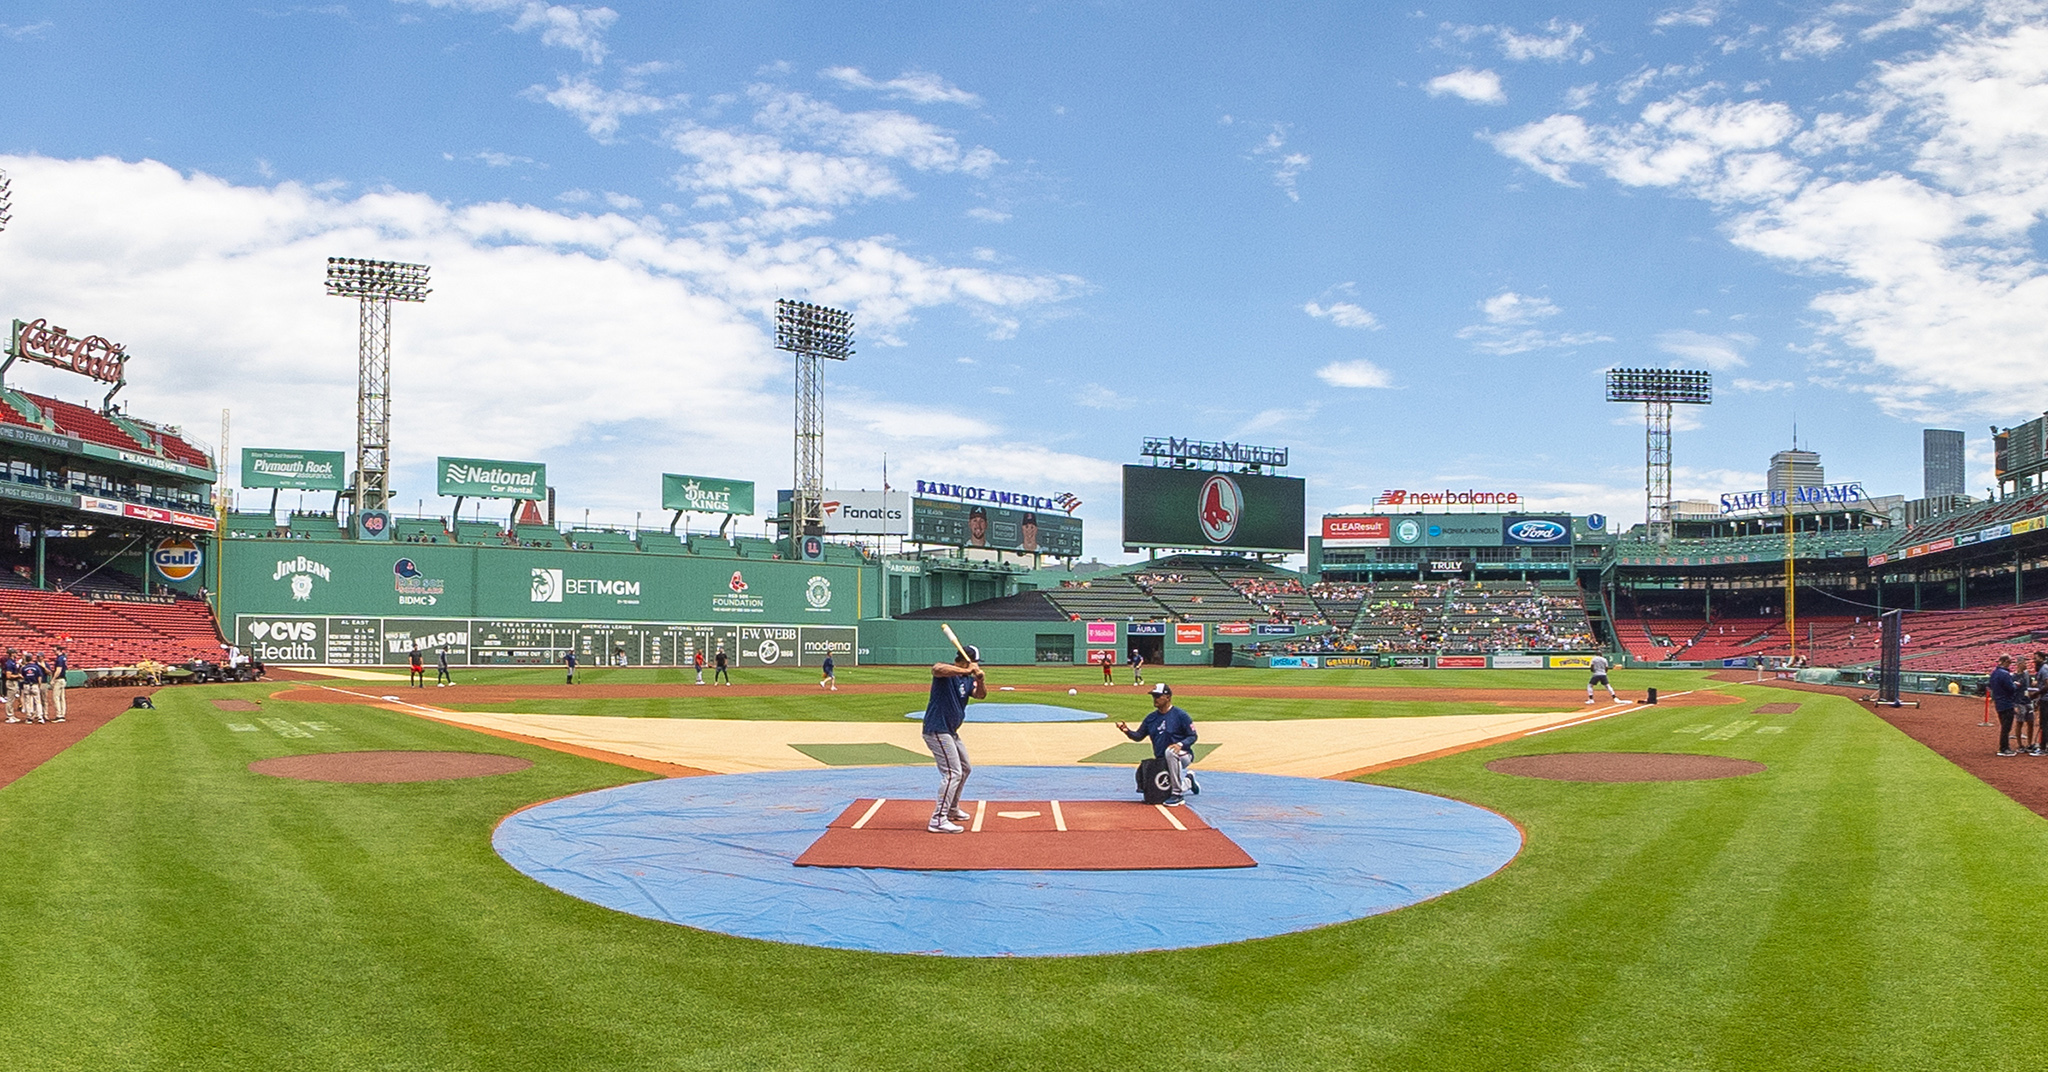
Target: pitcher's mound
[(1624, 767), (388, 766)]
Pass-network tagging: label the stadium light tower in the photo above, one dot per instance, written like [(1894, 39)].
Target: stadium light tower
[(6, 201), (1658, 390), (810, 332), (375, 285)]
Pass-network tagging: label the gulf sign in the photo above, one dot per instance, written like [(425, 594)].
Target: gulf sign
[(176, 558), (1357, 531)]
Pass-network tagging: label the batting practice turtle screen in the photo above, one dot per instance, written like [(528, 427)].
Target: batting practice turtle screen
[(1197, 508)]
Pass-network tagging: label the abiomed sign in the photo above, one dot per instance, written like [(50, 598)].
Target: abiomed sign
[(483, 478)]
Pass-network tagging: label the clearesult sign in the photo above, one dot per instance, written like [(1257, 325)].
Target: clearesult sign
[(1357, 531), (299, 470), (483, 478), (706, 494)]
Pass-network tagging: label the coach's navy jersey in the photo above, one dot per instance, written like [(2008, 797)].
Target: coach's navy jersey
[(947, 708), (1171, 726)]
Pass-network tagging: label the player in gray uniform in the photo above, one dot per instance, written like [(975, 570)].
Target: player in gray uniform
[(1600, 678)]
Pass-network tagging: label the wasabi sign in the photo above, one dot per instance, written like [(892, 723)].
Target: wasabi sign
[(482, 478), (706, 495), (302, 470)]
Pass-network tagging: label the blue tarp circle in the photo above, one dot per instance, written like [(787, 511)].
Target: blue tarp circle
[(717, 853)]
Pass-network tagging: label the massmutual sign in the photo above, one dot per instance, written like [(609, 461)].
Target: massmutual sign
[(482, 478)]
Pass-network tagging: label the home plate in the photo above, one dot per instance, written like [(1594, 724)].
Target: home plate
[(1025, 835)]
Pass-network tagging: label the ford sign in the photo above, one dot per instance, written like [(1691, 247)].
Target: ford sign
[(1537, 531)]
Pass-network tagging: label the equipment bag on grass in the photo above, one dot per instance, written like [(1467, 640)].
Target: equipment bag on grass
[(1155, 782)]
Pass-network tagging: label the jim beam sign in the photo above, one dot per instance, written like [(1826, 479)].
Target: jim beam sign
[(93, 356)]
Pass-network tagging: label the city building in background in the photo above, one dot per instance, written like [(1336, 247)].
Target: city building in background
[(1941, 464)]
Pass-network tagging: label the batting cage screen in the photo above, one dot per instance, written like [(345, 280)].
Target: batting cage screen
[(1889, 636)]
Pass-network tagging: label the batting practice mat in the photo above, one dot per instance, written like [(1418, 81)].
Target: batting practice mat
[(1024, 835), (719, 853)]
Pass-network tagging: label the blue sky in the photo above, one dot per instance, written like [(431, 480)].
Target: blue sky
[(1402, 243)]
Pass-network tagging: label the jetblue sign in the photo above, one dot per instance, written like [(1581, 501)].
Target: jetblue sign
[(1741, 502), (1536, 531)]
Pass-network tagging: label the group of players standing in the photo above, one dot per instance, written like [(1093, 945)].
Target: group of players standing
[(32, 686), (2017, 695)]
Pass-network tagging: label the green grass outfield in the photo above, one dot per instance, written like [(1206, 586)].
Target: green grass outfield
[(1861, 904)]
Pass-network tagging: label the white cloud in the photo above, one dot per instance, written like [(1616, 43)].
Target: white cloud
[(884, 134), (1508, 307), (572, 26), (1096, 396), (1479, 87), (1937, 275), (919, 86), (1287, 166), (494, 158), (1702, 14), (759, 167), (1555, 42), (1344, 315), (20, 33), (988, 215), (1506, 329), (597, 108), (1754, 386), (1717, 352), (549, 334), (1818, 37), (1359, 373)]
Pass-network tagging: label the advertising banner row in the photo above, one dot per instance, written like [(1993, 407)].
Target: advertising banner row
[(1429, 662), (1449, 530), (1189, 633), (286, 640), (1992, 534)]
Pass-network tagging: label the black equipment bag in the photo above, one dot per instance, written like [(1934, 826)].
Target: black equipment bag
[(1155, 783)]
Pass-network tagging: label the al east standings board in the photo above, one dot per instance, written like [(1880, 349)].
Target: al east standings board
[(1166, 507)]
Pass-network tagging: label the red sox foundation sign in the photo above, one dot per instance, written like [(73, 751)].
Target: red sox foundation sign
[(92, 356)]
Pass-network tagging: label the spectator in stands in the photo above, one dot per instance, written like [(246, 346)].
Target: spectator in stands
[(2004, 688)]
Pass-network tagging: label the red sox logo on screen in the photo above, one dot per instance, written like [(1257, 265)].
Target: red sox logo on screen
[(1222, 505)]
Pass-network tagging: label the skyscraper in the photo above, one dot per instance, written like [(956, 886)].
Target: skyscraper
[(1796, 468), (1941, 453)]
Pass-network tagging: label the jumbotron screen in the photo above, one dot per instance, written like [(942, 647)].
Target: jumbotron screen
[(1197, 508), (962, 524)]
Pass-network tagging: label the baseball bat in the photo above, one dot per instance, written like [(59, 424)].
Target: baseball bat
[(957, 646)]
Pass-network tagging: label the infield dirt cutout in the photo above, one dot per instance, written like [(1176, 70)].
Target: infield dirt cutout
[(1624, 767), (388, 766)]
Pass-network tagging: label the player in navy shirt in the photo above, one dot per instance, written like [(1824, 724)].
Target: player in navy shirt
[(58, 667), (953, 684), (569, 660), (1173, 740)]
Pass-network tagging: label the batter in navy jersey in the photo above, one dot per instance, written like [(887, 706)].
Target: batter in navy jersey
[(953, 684)]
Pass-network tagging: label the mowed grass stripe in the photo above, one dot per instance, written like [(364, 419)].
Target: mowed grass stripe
[(1857, 905)]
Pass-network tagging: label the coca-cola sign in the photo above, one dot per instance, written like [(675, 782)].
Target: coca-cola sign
[(93, 355)]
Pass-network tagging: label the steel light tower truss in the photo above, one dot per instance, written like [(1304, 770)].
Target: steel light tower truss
[(375, 285), (6, 201), (810, 332), (1658, 390)]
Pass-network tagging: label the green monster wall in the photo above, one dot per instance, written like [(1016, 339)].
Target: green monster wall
[(334, 602)]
